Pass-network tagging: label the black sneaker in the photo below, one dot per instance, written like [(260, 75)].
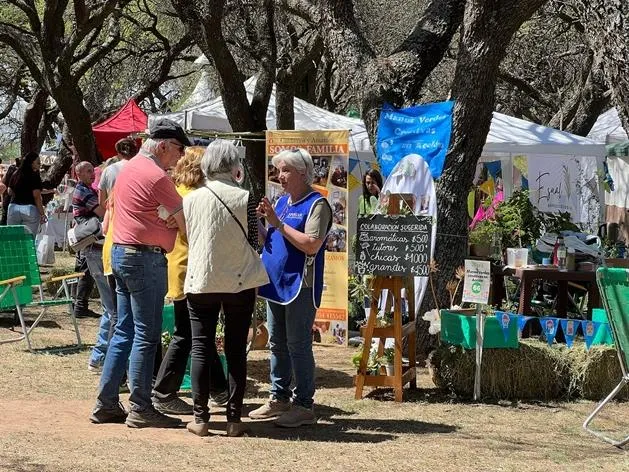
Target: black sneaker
[(176, 406), (86, 313), (109, 415), (151, 418)]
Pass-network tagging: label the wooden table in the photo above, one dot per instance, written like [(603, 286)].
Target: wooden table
[(528, 274)]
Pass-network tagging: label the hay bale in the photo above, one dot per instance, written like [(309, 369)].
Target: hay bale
[(596, 372), (534, 371)]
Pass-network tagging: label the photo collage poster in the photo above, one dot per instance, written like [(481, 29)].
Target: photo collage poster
[(330, 155)]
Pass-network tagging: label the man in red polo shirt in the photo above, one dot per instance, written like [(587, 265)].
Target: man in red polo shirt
[(145, 199)]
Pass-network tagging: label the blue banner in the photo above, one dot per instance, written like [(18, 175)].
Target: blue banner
[(522, 321), (589, 331), (569, 328), (505, 320), (422, 129), (549, 326)]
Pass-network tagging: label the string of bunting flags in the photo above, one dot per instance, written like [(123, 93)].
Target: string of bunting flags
[(551, 325)]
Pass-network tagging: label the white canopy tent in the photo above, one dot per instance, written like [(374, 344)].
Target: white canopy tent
[(210, 116), (511, 137), (608, 128)]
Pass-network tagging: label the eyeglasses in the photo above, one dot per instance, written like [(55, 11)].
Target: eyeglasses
[(181, 147)]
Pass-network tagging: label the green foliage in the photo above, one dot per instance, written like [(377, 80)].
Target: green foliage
[(518, 220), (483, 232), (358, 289), (389, 354), (521, 224)]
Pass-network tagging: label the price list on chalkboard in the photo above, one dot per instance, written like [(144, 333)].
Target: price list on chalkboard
[(393, 245)]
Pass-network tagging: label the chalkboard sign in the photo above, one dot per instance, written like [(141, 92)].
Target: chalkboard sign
[(393, 245)]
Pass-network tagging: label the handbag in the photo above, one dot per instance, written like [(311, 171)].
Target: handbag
[(85, 233)]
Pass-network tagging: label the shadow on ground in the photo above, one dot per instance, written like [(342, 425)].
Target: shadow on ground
[(335, 425)]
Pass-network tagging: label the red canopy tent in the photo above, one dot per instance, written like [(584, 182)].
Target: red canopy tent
[(128, 120)]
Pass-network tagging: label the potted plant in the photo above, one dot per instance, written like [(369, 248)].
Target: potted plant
[(389, 356), (356, 357), (480, 238)]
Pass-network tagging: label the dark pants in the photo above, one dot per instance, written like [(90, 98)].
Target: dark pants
[(84, 286), (204, 310), (174, 364)]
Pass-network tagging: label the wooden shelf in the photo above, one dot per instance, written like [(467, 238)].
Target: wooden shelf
[(388, 331)]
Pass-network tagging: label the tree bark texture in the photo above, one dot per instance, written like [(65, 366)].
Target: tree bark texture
[(486, 32), (33, 116), (58, 54), (606, 23), (204, 20)]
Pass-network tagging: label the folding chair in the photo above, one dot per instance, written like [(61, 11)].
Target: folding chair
[(19, 273), (614, 288)]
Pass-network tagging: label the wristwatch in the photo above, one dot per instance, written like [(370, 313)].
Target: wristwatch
[(280, 226)]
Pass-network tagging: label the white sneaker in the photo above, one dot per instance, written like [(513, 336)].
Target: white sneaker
[(270, 409), (94, 369)]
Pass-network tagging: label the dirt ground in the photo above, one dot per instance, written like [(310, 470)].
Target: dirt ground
[(46, 398)]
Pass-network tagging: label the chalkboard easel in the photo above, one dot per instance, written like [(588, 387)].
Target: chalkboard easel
[(395, 285)]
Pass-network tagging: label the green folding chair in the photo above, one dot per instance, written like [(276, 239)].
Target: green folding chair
[(19, 273), (614, 287)]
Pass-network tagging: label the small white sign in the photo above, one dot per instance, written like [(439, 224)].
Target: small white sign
[(477, 281)]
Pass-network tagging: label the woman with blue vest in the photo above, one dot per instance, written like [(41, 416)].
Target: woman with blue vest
[(293, 256)]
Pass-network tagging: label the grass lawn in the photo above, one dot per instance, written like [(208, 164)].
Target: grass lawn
[(45, 401)]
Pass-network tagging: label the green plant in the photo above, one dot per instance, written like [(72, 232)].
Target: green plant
[(389, 355), (518, 220), (356, 357), (483, 232)]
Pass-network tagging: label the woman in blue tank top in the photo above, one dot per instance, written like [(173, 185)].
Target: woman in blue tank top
[(293, 256)]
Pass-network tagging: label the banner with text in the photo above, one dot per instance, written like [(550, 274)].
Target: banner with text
[(423, 129), (330, 154), (565, 184)]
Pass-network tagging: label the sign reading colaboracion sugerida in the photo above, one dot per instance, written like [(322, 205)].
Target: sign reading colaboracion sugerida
[(393, 245)]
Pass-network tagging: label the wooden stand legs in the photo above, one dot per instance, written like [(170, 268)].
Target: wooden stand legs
[(401, 375)]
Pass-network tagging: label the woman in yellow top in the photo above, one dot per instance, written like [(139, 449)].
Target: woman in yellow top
[(187, 176)]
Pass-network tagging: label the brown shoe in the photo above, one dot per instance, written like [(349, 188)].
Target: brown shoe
[(235, 430), (270, 409), (200, 429)]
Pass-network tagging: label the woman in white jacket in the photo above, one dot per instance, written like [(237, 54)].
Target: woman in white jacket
[(223, 271)]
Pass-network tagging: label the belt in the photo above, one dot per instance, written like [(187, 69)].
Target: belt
[(143, 248)]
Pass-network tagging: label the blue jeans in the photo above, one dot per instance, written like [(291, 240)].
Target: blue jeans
[(141, 285), (94, 258), (290, 340), (27, 215)]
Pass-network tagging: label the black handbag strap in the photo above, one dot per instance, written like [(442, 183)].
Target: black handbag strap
[(230, 212)]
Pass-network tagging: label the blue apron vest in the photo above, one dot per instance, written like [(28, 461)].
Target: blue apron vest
[(286, 264)]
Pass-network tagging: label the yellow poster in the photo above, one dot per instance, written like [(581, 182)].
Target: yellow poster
[(330, 155)]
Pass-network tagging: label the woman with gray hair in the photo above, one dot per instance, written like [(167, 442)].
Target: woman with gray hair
[(293, 255), (223, 271)]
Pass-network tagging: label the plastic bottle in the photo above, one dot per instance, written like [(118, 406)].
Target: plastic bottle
[(561, 254)]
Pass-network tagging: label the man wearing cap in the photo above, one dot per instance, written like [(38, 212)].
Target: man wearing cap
[(148, 214)]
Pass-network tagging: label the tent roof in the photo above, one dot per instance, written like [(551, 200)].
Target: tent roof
[(513, 135), (211, 116), (129, 119), (608, 128)]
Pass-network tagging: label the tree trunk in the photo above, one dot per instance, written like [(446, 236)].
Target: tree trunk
[(33, 115), (62, 163), (284, 106), (486, 33), (70, 101)]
